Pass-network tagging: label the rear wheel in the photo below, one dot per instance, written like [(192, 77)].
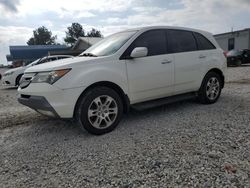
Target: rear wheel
[(99, 111), (210, 89)]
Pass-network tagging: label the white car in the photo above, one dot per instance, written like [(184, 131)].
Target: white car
[(12, 77), (136, 68)]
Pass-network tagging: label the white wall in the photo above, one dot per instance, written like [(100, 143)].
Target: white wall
[(241, 40)]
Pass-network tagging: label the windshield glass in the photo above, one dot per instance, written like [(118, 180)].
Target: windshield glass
[(33, 63), (109, 45), (234, 53)]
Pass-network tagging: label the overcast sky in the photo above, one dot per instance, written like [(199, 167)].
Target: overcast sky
[(18, 18)]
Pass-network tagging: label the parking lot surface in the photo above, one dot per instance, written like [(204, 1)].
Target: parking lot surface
[(184, 144)]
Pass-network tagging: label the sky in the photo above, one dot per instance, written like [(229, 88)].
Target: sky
[(18, 18)]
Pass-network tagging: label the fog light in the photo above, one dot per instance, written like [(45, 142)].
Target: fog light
[(46, 113)]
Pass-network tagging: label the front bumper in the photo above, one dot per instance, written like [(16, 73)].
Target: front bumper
[(38, 103), (46, 98), (8, 81)]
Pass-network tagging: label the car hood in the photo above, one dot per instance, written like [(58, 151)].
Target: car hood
[(63, 64), (15, 69)]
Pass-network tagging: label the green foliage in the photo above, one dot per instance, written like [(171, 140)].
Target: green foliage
[(94, 33), (74, 32), (42, 36)]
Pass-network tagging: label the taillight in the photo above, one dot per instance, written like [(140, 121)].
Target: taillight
[(225, 54)]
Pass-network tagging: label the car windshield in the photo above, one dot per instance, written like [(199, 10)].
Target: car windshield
[(234, 53), (33, 63), (109, 45)]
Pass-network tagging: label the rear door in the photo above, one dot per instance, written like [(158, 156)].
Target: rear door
[(182, 45), (246, 56), (152, 76)]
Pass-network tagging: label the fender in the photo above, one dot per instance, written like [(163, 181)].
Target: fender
[(91, 73)]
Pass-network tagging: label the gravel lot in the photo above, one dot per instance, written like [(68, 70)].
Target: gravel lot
[(185, 144)]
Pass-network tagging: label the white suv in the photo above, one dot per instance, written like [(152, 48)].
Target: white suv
[(137, 68)]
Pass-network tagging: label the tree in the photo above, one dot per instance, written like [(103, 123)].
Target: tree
[(42, 36), (74, 32), (94, 33)]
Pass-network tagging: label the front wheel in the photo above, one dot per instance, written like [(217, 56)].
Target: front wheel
[(99, 111), (210, 89)]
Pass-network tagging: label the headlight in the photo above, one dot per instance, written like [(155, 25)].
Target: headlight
[(49, 77), (8, 73)]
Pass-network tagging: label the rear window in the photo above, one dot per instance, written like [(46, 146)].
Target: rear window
[(234, 53), (203, 43), (181, 41)]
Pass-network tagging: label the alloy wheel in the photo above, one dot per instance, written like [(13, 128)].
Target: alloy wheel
[(213, 88), (102, 112)]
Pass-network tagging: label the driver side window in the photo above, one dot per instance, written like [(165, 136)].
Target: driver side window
[(154, 41)]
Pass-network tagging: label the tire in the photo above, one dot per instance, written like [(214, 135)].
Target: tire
[(18, 78), (99, 110), (210, 89)]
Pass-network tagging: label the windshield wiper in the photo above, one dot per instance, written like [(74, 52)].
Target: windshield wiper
[(88, 54)]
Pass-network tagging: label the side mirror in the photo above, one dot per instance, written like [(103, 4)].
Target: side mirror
[(139, 52)]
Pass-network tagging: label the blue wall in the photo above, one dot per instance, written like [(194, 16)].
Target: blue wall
[(32, 52)]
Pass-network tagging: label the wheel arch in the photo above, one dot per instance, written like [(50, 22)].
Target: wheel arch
[(117, 88), (18, 79)]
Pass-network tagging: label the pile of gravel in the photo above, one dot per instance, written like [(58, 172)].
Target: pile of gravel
[(184, 144)]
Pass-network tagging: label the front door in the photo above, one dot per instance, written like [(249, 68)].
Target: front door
[(150, 77)]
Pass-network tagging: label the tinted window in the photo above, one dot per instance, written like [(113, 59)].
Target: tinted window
[(181, 41), (45, 60), (51, 59), (154, 40), (247, 52), (62, 57), (203, 43)]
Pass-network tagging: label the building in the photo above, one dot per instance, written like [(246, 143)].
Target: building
[(237, 40), (21, 55), (84, 43), (80, 46)]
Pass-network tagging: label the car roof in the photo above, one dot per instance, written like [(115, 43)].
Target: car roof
[(167, 27)]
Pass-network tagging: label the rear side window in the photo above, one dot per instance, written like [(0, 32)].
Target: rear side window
[(62, 57), (203, 43), (154, 40), (181, 41), (51, 59)]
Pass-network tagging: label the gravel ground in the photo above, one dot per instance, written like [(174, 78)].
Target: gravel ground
[(185, 144)]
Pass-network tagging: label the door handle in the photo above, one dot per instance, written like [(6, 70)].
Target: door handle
[(202, 56), (166, 62)]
